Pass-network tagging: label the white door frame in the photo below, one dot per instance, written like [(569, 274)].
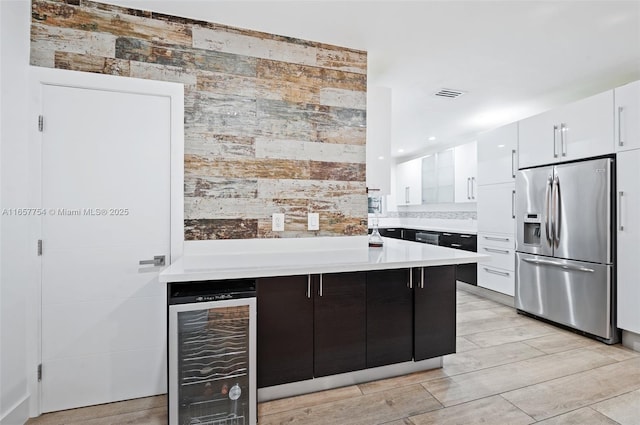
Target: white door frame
[(49, 76)]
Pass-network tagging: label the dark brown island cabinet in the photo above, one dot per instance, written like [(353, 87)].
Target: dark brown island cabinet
[(320, 325)]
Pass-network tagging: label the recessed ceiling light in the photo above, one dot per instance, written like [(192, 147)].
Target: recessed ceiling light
[(501, 146), (381, 157), (400, 150), (432, 138)]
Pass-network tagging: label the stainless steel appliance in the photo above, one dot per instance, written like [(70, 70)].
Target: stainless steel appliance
[(428, 237), (212, 347), (564, 245)]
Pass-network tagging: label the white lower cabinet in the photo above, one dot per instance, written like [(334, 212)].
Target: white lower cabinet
[(497, 274), (498, 280), (628, 225)]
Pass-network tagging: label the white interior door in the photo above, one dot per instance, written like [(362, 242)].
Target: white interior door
[(106, 190)]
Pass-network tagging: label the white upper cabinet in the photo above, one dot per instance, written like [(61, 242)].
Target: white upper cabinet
[(409, 182), (578, 130), (466, 172), (379, 139), (496, 209), (497, 155), (627, 112), (628, 229)]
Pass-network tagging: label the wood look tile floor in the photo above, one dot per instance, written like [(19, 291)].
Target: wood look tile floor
[(509, 369)]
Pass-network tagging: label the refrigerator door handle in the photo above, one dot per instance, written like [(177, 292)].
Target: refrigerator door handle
[(555, 194), (558, 264), (548, 229)]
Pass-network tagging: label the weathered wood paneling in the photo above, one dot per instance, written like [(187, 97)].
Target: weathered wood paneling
[(254, 45), (204, 229), (272, 123)]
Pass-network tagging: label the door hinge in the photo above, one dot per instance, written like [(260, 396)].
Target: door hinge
[(40, 372), (39, 247), (40, 123)]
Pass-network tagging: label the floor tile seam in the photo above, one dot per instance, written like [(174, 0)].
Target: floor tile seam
[(315, 404), (573, 410), (519, 388), (533, 420), (564, 377), (84, 421), (81, 420), (592, 405), (490, 367)]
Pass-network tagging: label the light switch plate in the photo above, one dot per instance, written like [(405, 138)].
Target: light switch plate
[(277, 222), (313, 221)]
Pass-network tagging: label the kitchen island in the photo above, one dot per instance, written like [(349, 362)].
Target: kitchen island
[(330, 318)]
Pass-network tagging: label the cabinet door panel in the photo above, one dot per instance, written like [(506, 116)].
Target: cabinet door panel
[(587, 127), (496, 208), (434, 312), (628, 270), (497, 155), (340, 323), (285, 330), (627, 110), (466, 172), (389, 317), (538, 143)]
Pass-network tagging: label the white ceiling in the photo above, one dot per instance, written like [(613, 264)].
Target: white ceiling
[(513, 58)]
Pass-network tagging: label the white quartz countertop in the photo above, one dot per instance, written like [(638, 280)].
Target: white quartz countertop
[(395, 254)]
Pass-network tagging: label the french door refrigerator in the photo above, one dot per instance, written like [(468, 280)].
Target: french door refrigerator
[(564, 245)]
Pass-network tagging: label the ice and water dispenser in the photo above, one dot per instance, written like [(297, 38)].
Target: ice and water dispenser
[(532, 223)]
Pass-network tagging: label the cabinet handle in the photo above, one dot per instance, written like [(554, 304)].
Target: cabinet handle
[(563, 141), (468, 191), (410, 278), (456, 245), (497, 251), (620, 139), (620, 224), (308, 286), (513, 163), (320, 291), (555, 149), (473, 193), (492, 238), (513, 204), (466, 236), (422, 278), (505, 274), (446, 234), (406, 194)]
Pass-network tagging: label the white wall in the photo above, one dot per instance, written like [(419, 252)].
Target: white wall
[(15, 277)]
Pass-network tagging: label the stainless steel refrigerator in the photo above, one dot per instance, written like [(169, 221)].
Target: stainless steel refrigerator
[(564, 246)]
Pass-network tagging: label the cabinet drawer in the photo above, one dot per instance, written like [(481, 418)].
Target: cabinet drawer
[(502, 258), (498, 280), (496, 240), (462, 241)]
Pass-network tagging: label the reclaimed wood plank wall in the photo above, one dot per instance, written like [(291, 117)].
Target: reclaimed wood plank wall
[(272, 123)]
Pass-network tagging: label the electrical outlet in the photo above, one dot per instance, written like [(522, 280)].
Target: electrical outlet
[(277, 222), (313, 221)]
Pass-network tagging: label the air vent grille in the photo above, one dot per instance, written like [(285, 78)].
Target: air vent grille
[(449, 93)]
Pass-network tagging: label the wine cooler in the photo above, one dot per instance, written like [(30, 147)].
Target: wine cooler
[(212, 353)]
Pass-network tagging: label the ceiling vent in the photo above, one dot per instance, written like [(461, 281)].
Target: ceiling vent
[(449, 93)]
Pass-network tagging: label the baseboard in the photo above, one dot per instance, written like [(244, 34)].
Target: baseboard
[(631, 340), (17, 414), (486, 293)]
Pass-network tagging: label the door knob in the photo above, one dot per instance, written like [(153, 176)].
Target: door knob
[(158, 260)]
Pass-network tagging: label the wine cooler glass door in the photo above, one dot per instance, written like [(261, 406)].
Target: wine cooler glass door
[(212, 363)]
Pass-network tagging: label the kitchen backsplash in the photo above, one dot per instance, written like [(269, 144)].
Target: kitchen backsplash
[(272, 123), (443, 215)]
